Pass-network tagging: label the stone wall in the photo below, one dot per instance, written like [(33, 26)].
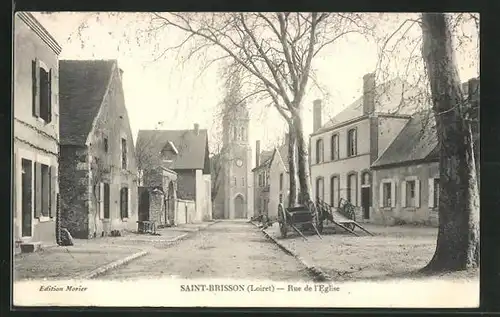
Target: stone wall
[(73, 180)]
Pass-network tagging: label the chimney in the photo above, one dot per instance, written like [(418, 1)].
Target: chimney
[(257, 153), (369, 93), (317, 109), (197, 128)]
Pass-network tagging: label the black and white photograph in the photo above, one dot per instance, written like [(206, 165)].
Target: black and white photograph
[(246, 159)]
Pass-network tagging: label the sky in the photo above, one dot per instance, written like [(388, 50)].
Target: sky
[(178, 95)]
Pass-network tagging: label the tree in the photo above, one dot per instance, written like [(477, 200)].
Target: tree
[(458, 237), (275, 51)]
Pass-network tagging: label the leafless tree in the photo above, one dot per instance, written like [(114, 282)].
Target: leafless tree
[(275, 52)]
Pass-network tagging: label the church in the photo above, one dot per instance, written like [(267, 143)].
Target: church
[(234, 197)]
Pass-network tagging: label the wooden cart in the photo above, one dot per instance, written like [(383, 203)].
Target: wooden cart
[(300, 218), (344, 216)]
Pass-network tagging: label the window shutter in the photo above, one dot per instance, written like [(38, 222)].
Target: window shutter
[(381, 195), (101, 200), (38, 189), (53, 191), (49, 97), (431, 193), (393, 194), (35, 76), (403, 194), (417, 193)]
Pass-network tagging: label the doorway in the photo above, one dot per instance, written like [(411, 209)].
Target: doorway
[(170, 203), (26, 194), (239, 207), (143, 204), (365, 202)]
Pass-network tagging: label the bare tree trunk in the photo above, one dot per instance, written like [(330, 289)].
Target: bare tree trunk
[(303, 160), (292, 169), (458, 237)]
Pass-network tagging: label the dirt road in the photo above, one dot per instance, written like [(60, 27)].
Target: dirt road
[(228, 249)]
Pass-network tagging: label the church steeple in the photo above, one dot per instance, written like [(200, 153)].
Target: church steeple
[(238, 192)]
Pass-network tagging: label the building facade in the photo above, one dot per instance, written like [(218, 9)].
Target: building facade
[(406, 176), (343, 149), (279, 180), (235, 194), (36, 132), (261, 179), (184, 152), (98, 172)]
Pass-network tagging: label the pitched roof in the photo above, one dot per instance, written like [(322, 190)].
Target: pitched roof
[(192, 148), (82, 87), (391, 97), (265, 159), (417, 141)]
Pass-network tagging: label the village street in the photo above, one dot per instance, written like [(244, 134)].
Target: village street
[(227, 249)]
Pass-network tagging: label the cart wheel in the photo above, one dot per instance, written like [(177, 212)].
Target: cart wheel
[(282, 221)]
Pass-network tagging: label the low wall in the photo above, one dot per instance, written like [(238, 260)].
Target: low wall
[(185, 211)]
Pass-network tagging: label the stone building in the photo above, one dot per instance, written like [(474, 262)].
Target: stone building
[(279, 179), (36, 133), (406, 176), (343, 149), (261, 179), (98, 173), (181, 159), (234, 199)]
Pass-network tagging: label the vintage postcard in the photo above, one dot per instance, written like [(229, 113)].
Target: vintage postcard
[(256, 159)]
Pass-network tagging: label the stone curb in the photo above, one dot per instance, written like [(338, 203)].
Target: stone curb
[(110, 266), (319, 275)]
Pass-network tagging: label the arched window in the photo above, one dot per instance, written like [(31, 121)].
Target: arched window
[(352, 187), (335, 147), (334, 191), (352, 143), (320, 188), (319, 151)]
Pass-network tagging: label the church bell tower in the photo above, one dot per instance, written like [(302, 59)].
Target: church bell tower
[(238, 181)]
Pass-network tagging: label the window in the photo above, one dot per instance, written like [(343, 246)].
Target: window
[(436, 192), (124, 203), (386, 197), (124, 153), (352, 188), (235, 182), (433, 192), (320, 190), (106, 201), (105, 141), (281, 181), (243, 181), (352, 143), (334, 190), (319, 151), (41, 91), (410, 194), (260, 180), (281, 198), (235, 134), (44, 190), (335, 147)]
